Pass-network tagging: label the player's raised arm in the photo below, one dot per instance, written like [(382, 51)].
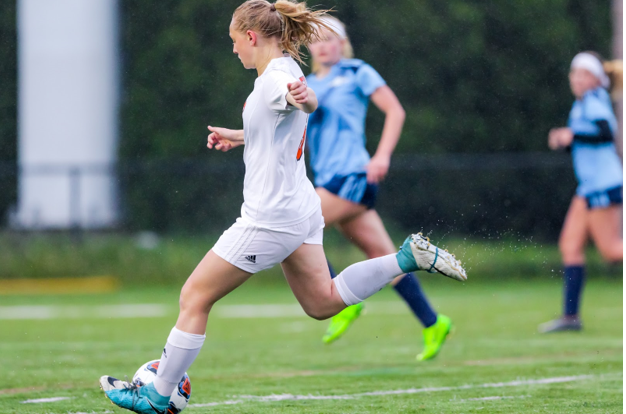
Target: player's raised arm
[(302, 97), (224, 139)]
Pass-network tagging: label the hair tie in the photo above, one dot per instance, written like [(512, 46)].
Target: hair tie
[(273, 8)]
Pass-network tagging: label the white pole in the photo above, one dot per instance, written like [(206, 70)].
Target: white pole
[(68, 101)]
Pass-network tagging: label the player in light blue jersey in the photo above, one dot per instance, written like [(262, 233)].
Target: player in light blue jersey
[(596, 209), (346, 178)]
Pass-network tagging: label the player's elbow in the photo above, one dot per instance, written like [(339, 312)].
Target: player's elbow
[(400, 112)]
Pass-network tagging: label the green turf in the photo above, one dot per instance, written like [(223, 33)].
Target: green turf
[(495, 342)]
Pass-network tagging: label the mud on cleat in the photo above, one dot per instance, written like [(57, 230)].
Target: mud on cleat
[(418, 253)]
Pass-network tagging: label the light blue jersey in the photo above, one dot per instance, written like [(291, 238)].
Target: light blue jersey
[(596, 163), (336, 130)]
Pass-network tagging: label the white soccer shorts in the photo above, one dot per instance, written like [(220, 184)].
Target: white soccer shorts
[(253, 248)]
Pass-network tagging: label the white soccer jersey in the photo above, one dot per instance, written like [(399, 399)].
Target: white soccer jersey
[(276, 190)]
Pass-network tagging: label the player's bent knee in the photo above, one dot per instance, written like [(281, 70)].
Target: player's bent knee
[(571, 252), (195, 300), (612, 255), (317, 313)]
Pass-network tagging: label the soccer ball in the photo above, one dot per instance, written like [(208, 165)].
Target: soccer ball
[(181, 394)]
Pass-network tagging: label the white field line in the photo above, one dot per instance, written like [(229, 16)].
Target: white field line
[(290, 397), (152, 310), (93, 412), (494, 398), (45, 400), (77, 312)]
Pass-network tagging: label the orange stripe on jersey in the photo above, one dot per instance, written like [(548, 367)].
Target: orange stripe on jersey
[(301, 147)]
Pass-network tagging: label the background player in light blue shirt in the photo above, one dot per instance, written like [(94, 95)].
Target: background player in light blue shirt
[(596, 209), (346, 178)]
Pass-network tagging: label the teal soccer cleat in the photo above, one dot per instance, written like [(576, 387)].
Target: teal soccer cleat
[(417, 253), (142, 400)]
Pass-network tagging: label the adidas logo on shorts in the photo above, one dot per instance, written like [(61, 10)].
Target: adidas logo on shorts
[(251, 259)]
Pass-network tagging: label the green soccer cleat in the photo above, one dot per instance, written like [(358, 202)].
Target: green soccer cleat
[(340, 323), (434, 337)]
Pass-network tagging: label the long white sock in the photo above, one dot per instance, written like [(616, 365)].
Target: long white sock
[(180, 351), (361, 280)]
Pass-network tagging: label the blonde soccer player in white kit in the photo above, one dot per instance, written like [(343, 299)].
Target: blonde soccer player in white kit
[(281, 219)]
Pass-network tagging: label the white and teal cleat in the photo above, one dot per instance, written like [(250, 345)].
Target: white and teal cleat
[(418, 253), (142, 400)]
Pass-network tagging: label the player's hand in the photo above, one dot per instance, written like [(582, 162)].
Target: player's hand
[(377, 168), (298, 91), (223, 139), (560, 138)]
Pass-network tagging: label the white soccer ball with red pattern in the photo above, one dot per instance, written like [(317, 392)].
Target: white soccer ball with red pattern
[(181, 394)]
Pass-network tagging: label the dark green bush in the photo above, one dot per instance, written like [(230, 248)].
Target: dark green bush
[(474, 77)]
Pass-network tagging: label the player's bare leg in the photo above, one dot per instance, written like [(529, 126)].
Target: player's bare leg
[(211, 280)]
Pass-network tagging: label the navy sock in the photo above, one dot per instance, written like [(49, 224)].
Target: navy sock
[(574, 279), (411, 291)]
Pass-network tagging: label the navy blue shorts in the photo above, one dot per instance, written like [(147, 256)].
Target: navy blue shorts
[(606, 198), (355, 188)]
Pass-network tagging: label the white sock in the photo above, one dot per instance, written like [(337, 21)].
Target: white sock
[(361, 280), (180, 351)]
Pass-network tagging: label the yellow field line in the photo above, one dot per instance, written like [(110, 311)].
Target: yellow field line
[(56, 286)]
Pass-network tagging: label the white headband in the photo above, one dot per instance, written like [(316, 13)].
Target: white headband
[(335, 25), (592, 64)]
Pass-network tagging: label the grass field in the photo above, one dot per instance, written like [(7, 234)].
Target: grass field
[(260, 358)]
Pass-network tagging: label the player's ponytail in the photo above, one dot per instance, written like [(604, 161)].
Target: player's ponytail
[(614, 69), (293, 23)]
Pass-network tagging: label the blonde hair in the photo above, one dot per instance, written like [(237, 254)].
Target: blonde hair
[(614, 69), (347, 52), (293, 23)]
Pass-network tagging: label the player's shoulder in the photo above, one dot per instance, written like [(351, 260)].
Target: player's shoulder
[(597, 94), (596, 102), (285, 66), (277, 80), (351, 64)]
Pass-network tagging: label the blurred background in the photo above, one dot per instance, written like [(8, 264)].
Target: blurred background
[(109, 198), (104, 106)]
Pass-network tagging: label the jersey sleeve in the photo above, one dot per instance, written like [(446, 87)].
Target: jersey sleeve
[(599, 116), (368, 80), (275, 91)]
